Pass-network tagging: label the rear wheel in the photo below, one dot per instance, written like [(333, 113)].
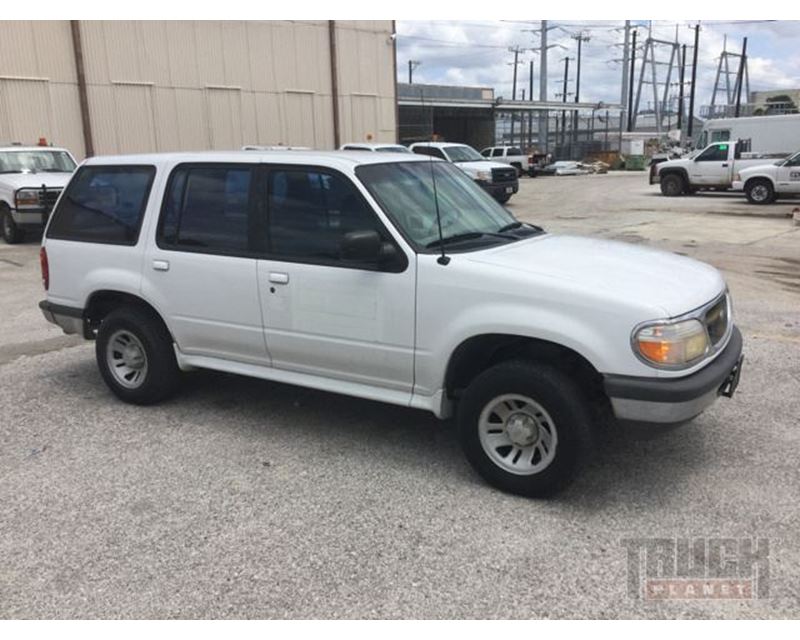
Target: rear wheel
[(503, 199), (523, 427), (135, 356), (760, 192), (12, 234), (673, 185)]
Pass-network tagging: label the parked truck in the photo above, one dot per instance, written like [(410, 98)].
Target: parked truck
[(712, 168), (776, 136), (765, 183)]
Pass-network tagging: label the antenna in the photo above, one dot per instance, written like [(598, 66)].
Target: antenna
[(443, 259)]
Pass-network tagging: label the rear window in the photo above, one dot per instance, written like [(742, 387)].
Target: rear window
[(103, 204)]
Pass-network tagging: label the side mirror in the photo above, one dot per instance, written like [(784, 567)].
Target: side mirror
[(361, 246)]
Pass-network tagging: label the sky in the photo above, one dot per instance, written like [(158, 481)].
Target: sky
[(475, 53)]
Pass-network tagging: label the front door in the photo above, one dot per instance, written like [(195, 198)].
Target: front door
[(788, 176), (712, 167), (325, 315)]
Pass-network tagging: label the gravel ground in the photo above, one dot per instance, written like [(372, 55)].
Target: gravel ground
[(244, 498)]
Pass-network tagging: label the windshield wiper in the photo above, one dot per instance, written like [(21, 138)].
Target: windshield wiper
[(470, 235), (511, 225)]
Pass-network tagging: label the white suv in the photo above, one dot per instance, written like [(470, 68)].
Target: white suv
[(389, 277)]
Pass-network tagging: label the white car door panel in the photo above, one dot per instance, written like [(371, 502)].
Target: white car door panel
[(207, 293), (322, 315)]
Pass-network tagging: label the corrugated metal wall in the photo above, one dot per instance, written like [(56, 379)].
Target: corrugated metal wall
[(166, 86), (38, 85)]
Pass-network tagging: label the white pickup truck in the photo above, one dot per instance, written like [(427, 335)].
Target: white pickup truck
[(765, 183), (712, 168), (31, 180), (509, 155)]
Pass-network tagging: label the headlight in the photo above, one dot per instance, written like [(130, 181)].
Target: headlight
[(484, 175), (671, 344), (27, 198)]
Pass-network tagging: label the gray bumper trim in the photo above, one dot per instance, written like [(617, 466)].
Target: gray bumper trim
[(662, 412)]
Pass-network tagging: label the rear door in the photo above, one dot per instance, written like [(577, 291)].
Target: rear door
[(325, 315), (201, 270)]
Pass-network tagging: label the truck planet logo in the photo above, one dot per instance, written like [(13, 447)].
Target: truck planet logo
[(697, 568)]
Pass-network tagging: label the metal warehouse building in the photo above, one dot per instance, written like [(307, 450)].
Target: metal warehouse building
[(103, 87)]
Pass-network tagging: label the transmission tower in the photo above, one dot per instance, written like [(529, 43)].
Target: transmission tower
[(729, 64), (653, 56)]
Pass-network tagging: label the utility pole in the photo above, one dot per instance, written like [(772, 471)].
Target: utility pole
[(623, 98), (516, 50), (530, 97), (740, 77), (680, 91), (564, 99), (412, 64), (690, 124), (630, 82), (544, 118), (581, 38)]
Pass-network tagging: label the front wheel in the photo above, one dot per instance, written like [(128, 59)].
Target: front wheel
[(673, 185), (760, 192), (523, 427), (135, 356), (11, 232)]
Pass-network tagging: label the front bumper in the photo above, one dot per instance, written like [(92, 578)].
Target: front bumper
[(499, 190), (674, 400), (30, 218)]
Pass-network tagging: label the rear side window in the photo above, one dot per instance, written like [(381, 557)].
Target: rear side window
[(497, 153), (206, 208), (103, 204)]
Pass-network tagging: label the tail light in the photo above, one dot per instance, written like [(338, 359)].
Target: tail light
[(45, 268)]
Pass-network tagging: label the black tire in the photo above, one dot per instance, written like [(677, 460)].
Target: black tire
[(673, 185), (503, 199), (12, 234), (554, 392), (161, 376), (760, 191)]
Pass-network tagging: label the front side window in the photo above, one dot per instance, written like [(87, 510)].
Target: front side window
[(206, 209), (36, 161), (103, 204), (310, 211), (717, 153), (405, 191)]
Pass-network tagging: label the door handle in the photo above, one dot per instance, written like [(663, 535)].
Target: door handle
[(279, 278), (724, 164), (161, 265)]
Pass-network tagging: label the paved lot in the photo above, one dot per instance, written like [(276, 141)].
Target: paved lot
[(242, 498)]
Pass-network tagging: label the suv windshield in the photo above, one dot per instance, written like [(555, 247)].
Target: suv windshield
[(462, 154), (37, 161), (404, 190)]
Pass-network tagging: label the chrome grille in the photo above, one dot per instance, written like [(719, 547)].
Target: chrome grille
[(716, 321)]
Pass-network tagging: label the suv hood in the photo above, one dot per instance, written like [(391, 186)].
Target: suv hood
[(638, 275), (35, 180)]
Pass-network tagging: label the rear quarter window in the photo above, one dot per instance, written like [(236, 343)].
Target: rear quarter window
[(103, 204)]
